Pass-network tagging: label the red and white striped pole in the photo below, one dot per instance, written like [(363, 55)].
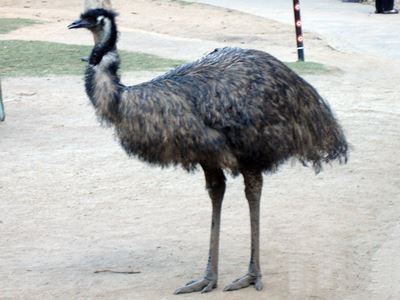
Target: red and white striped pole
[(299, 32)]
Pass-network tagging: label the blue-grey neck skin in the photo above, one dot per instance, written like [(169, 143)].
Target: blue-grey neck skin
[(106, 42)]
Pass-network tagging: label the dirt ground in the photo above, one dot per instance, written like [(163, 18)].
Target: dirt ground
[(72, 203)]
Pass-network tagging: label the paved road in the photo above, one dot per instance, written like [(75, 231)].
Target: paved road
[(349, 27)]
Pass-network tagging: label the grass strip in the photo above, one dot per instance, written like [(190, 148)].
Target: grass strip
[(37, 58)]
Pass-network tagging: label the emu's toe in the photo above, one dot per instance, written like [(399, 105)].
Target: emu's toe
[(204, 285), (245, 281)]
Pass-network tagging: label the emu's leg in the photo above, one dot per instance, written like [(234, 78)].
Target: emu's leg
[(215, 184), (253, 187)]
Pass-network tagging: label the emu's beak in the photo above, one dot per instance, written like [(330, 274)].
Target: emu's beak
[(79, 24)]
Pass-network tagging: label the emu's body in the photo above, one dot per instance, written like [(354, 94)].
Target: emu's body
[(235, 109)]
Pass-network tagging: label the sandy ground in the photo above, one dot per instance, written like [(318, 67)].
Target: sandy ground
[(72, 203)]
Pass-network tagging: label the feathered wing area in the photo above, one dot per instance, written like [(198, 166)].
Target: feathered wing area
[(168, 130), (234, 109), (318, 137)]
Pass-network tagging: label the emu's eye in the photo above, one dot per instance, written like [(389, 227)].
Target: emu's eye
[(100, 20)]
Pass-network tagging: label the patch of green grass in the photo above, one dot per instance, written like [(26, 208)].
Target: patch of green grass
[(35, 58), (309, 67), (7, 24)]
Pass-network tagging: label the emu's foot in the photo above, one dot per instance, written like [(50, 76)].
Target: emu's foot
[(245, 281), (204, 285)]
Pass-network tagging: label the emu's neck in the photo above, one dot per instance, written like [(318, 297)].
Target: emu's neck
[(105, 41), (101, 79)]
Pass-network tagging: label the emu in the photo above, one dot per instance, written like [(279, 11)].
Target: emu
[(235, 110)]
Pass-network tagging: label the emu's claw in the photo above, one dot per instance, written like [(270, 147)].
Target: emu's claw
[(204, 285), (245, 281)]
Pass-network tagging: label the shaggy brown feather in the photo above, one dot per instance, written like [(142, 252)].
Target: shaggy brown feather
[(233, 108)]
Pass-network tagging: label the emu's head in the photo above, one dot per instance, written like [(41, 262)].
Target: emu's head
[(99, 21)]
